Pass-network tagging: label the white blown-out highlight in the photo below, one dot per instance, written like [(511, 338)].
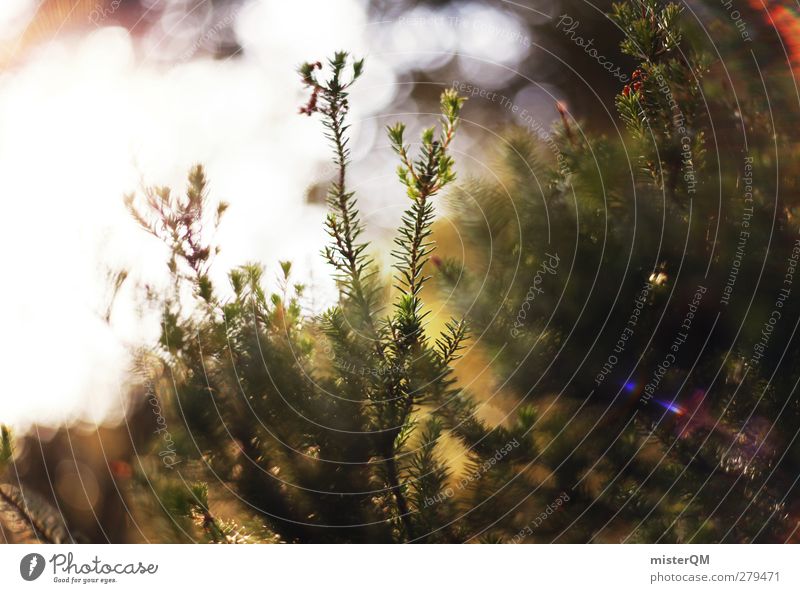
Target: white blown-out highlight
[(85, 120)]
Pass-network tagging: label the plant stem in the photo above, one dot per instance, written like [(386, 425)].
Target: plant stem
[(400, 498)]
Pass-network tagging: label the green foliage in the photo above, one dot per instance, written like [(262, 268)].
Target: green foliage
[(353, 426), (556, 273), (6, 445), (191, 502), (662, 104), (651, 28), (414, 372), (315, 422)]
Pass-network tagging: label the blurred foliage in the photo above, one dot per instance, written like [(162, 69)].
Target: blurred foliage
[(662, 261)]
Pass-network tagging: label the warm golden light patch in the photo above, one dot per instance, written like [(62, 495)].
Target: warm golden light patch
[(51, 19)]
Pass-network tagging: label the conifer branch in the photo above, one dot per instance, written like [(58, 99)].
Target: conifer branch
[(44, 523), (346, 254)]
